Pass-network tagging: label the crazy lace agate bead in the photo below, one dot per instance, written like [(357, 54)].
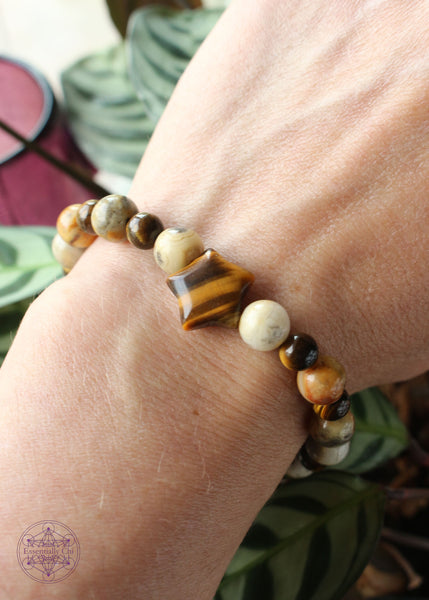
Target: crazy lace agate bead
[(175, 248), (65, 254), (264, 325), (332, 433), (326, 456), (110, 216), (324, 382), (69, 229), (83, 216)]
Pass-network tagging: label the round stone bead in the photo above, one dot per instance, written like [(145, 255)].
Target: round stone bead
[(68, 228), (324, 382), (297, 470), (64, 253), (264, 325), (332, 433), (83, 216), (326, 455), (299, 352), (143, 229), (176, 247), (110, 216), (334, 411)]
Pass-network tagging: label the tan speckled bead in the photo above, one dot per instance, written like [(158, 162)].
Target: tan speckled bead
[(110, 216), (324, 383), (332, 433), (326, 455), (264, 325), (64, 253), (69, 230), (175, 248)]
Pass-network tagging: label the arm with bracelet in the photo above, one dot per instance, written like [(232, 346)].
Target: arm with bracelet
[(296, 146)]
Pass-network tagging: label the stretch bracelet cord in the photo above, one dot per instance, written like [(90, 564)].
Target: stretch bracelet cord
[(209, 290)]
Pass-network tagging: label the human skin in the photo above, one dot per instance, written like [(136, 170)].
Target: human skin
[(296, 144)]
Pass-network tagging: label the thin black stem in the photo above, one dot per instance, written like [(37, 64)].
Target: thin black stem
[(76, 173)]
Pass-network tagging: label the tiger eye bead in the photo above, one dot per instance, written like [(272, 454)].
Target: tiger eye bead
[(68, 228), (324, 382), (326, 456), (83, 216), (64, 253), (332, 433), (110, 216), (210, 290), (143, 229), (299, 352), (264, 325), (334, 411), (175, 248)]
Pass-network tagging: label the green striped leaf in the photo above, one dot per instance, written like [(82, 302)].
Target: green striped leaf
[(107, 118), (10, 318), (26, 262), (380, 434), (310, 542), (162, 41), (120, 11)]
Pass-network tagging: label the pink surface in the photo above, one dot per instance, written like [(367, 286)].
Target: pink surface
[(32, 191), (21, 104)]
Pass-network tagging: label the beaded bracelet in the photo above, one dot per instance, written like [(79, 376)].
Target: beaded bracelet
[(209, 290)]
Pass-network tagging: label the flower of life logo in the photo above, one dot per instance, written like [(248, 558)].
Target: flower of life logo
[(48, 551)]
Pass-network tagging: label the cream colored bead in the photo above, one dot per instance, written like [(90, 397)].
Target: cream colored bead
[(64, 253), (264, 325), (176, 247), (297, 469), (332, 433), (110, 216), (326, 455)]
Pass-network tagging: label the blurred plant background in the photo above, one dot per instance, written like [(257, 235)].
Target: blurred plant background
[(358, 531)]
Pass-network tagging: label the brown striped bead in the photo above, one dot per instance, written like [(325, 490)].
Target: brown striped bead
[(324, 382), (209, 291), (143, 229), (110, 216), (334, 411), (332, 433), (84, 216), (68, 228), (299, 352)]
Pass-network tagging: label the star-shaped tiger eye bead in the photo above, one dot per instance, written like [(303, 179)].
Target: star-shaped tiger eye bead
[(209, 291)]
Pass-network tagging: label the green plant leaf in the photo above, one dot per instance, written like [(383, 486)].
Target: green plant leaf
[(108, 120), (323, 531), (120, 11), (162, 41), (380, 435), (10, 318), (26, 262)]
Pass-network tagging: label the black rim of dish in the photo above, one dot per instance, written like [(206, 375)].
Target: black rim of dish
[(48, 104)]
